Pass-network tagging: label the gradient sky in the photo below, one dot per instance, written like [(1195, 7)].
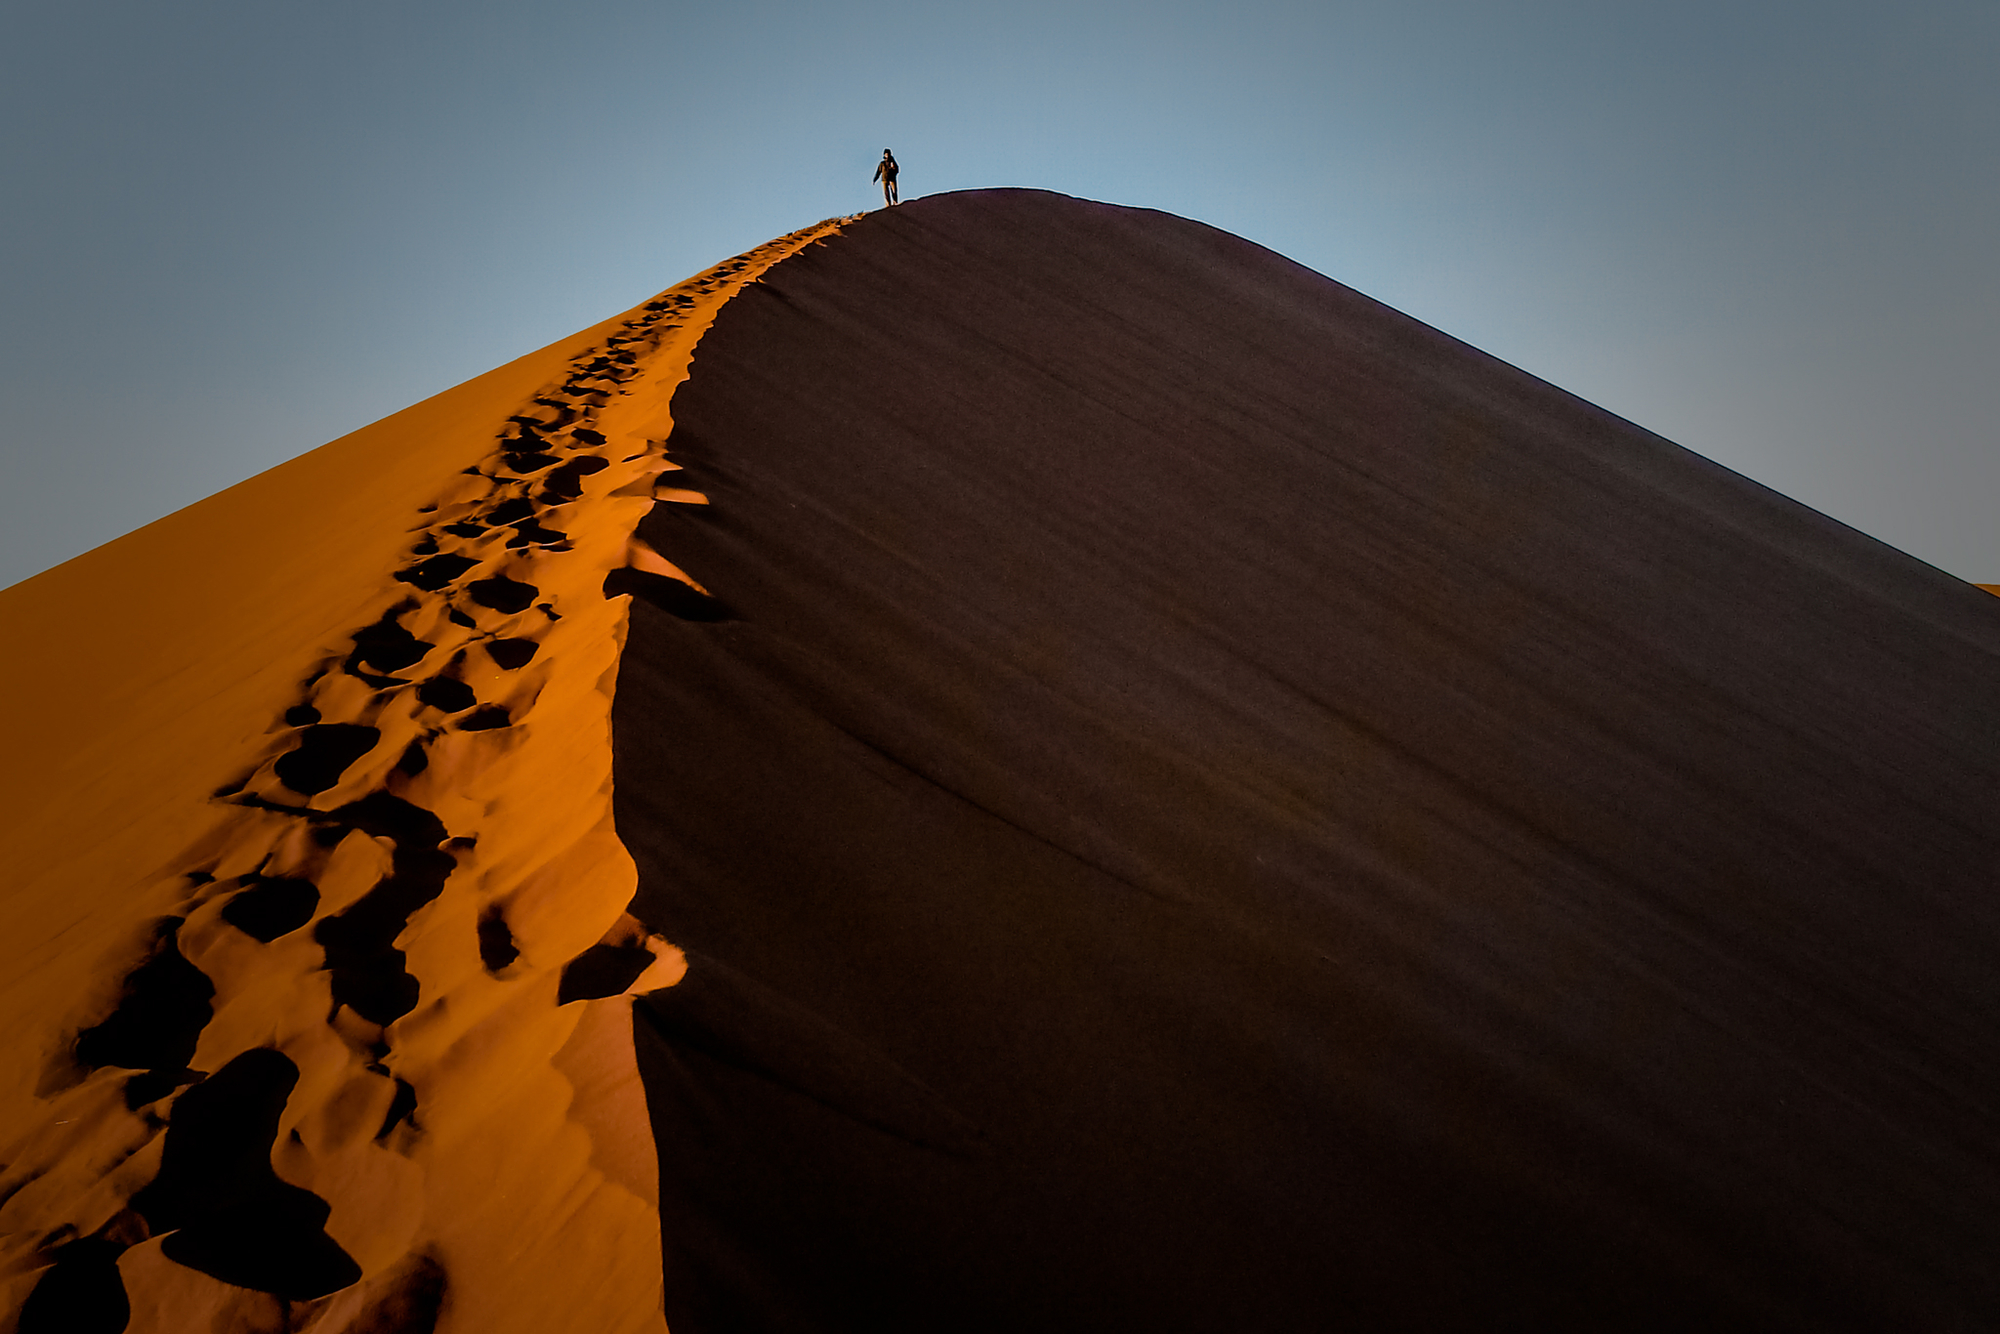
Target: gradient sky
[(236, 229)]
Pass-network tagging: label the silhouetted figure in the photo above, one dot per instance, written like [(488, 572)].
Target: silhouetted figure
[(885, 172)]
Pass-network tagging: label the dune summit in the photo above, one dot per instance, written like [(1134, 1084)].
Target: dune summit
[(1007, 764)]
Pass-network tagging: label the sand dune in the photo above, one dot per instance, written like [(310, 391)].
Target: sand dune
[(1006, 764)]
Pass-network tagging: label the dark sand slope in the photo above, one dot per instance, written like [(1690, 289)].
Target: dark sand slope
[(1218, 807)]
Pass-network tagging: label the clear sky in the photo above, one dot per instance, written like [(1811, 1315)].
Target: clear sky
[(235, 229)]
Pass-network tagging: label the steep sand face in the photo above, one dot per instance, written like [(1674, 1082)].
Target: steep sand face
[(316, 961), (1218, 807)]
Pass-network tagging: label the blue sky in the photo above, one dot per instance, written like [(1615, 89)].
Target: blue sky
[(236, 229)]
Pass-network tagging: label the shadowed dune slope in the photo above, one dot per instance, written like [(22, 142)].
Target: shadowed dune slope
[(1202, 803)]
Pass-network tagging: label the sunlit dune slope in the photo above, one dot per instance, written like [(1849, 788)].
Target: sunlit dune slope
[(307, 831), (1200, 803)]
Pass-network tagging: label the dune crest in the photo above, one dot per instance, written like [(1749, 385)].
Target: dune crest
[(362, 956)]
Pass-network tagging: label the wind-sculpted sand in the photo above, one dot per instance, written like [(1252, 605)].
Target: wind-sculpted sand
[(1181, 798), (317, 1013)]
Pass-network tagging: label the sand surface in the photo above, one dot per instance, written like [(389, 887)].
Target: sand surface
[(1200, 803), (315, 931)]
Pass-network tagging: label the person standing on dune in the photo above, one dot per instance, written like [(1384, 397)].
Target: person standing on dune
[(885, 172)]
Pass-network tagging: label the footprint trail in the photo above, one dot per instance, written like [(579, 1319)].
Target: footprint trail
[(337, 1076)]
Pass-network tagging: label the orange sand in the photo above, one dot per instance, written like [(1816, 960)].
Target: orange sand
[(155, 670)]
